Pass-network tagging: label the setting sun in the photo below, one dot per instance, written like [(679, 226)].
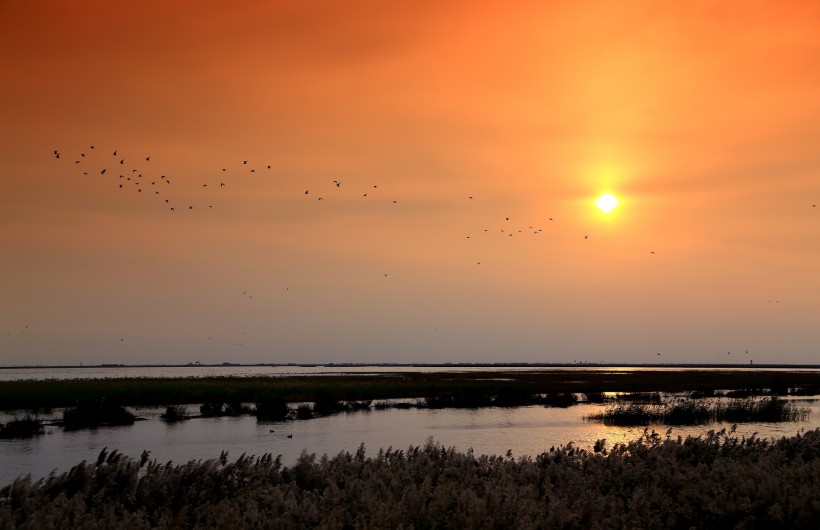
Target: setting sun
[(606, 203)]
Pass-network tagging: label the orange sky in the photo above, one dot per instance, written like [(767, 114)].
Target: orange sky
[(702, 117)]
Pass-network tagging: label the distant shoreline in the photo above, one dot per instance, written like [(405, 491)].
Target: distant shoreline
[(421, 365), (437, 385)]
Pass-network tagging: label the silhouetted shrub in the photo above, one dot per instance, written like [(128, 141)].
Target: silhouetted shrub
[(560, 399), (174, 413), (304, 412), (324, 403), (595, 397), (25, 427), (96, 414), (272, 409)]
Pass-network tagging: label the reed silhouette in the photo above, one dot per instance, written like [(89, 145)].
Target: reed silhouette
[(712, 481)]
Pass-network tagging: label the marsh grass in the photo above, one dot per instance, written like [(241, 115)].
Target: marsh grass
[(22, 427), (695, 412), (639, 397), (218, 409), (714, 481), (101, 413), (175, 413), (32, 394)]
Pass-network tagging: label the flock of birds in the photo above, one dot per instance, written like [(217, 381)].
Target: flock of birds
[(138, 175)]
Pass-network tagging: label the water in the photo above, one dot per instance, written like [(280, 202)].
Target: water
[(525, 431)]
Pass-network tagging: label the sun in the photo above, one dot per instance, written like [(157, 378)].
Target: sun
[(606, 203)]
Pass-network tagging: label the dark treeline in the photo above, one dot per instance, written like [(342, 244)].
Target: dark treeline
[(715, 481), (443, 386)]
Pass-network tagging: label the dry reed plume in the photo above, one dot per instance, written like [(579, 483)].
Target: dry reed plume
[(716, 481)]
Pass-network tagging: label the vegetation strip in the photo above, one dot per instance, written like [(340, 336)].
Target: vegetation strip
[(715, 481), (33, 394), (690, 412)]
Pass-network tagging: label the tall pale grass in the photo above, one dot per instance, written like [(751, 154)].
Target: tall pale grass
[(715, 481)]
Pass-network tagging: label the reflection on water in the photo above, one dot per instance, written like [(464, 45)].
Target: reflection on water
[(524, 430)]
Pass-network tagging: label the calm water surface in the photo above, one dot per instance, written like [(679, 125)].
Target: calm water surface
[(524, 430)]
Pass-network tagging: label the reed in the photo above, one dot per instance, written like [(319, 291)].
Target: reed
[(689, 412), (175, 413), (98, 413), (712, 481), (504, 386), (22, 427)]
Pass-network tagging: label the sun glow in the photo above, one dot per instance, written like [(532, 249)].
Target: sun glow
[(606, 203)]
